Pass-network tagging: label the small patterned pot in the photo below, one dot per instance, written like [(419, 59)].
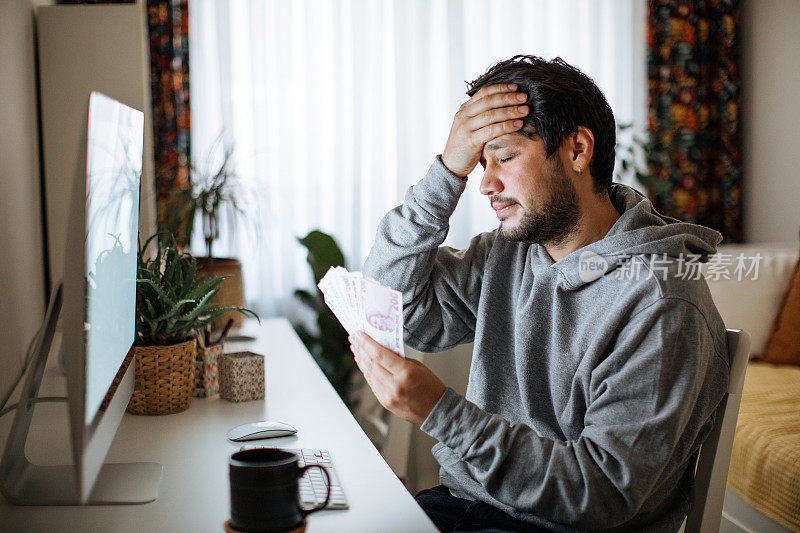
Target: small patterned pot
[(241, 376), (206, 375)]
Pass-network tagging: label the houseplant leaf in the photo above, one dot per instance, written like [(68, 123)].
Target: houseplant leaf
[(323, 253), (329, 344), (171, 300)]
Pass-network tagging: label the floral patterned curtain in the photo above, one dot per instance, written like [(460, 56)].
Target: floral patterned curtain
[(169, 83), (168, 24), (694, 159)]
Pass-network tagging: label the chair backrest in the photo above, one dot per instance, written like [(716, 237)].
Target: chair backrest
[(711, 475)]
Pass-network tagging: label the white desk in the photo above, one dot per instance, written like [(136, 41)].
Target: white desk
[(191, 446)]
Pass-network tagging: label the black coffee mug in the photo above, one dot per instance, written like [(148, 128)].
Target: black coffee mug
[(264, 495)]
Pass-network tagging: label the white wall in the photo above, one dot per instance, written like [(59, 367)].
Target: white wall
[(22, 290), (770, 68), (85, 48)]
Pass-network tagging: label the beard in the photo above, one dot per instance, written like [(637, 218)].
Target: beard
[(558, 214)]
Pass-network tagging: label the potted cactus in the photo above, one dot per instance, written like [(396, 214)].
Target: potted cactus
[(172, 303)]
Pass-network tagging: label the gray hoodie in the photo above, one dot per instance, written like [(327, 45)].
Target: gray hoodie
[(594, 379)]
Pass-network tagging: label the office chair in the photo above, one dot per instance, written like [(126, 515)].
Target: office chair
[(711, 474)]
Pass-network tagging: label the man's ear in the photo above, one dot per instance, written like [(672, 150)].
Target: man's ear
[(580, 146)]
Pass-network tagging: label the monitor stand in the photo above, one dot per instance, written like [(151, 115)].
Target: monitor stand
[(25, 483)]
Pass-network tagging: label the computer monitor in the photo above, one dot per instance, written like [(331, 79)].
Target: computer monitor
[(98, 323)]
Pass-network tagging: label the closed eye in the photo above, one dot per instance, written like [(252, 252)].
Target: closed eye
[(507, 159)]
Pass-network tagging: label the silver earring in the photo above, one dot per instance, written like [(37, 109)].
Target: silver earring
[(580, 171)]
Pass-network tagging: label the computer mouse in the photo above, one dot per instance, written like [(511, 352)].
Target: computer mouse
[(261, 430)]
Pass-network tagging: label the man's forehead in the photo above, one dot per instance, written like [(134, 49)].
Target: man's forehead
[(509, 139), (497, 144)]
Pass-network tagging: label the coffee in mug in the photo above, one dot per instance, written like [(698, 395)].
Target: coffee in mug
[(264, 495)]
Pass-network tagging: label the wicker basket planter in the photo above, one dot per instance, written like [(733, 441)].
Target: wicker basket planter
[(164, 380), (231, 290)]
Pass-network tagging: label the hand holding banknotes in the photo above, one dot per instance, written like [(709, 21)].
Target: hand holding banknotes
[(362, 304), (404, 386), (372, 314)]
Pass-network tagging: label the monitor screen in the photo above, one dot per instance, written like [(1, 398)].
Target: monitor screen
[(113, 170)]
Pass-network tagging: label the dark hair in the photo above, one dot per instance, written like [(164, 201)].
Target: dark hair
[(560, 98)]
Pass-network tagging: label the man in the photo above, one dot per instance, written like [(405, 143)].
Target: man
[(597, 361)]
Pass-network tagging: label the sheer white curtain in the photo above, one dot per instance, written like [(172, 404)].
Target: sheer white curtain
[(335, 107)]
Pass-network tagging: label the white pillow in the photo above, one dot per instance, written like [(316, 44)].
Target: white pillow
[(753, 302)]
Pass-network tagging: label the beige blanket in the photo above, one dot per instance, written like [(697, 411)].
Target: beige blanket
[(765, 463)]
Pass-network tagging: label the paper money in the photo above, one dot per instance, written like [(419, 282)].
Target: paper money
[(363, 304)]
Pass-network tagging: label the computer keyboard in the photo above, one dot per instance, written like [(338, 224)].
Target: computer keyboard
[(312, 485)]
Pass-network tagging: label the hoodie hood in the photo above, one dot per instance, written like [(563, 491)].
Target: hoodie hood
[(640, 230)]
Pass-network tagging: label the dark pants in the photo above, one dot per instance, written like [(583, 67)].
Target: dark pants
[(451, 514)]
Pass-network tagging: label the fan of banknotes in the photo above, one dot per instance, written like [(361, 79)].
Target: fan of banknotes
[(363, 304)]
